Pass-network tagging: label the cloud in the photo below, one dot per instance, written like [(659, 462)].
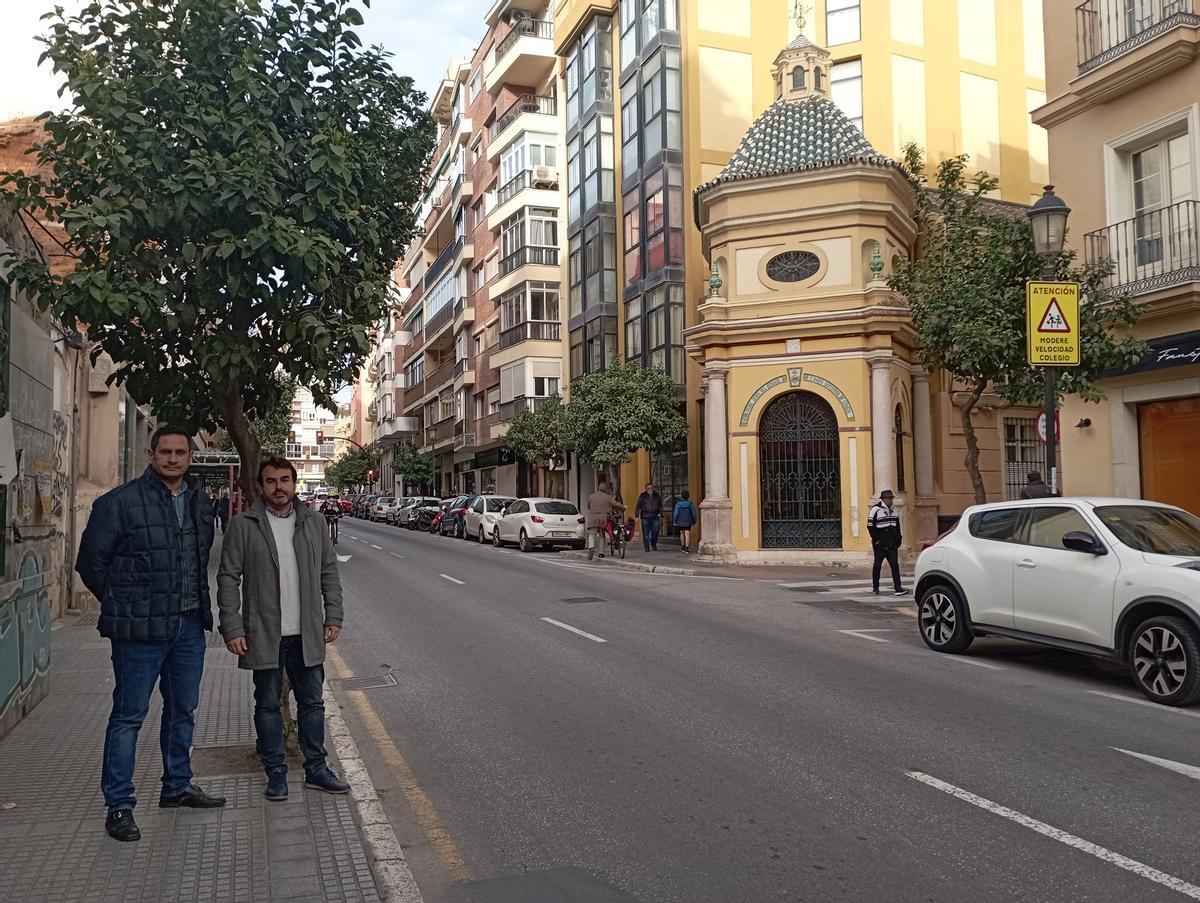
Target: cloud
[(423, 36)]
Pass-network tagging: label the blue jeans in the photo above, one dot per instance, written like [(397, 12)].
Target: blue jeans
[(650, 528), (176, 665), (307, 684)]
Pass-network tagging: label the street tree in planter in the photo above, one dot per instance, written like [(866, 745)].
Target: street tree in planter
[(350, 470), (417, 468), (965, 289), (236, 179), (616, 412), (271, 428), (540, 436)]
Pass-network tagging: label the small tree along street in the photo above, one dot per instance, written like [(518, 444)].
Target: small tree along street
[(540, 436), (417, 468), (236, 180), (351, 469), (271, 427), (965, 289)]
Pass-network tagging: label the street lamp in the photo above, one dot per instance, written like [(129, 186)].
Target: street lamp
[(1048, 217)]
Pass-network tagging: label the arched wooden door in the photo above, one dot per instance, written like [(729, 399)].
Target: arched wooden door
[(800, 474)]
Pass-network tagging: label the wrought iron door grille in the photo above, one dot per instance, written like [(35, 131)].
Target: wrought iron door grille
[(800, 474)]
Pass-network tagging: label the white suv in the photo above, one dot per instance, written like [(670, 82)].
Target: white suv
[(1113, 577)]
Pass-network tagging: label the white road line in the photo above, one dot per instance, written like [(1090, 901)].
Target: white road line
[(1130, 865), (452, 580), (1191, 771), (582, 633), (354, 537), (1158, 707), (342, 559), (969, 661), (373, 546), (394, 555), (866, 634)]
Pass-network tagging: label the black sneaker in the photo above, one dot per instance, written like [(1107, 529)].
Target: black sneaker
[(902, 592), (192, 798), (277, 788), (874, 592), (326, 780), (119, 825)]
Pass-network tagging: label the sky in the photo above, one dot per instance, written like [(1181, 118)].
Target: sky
[(423, 35)]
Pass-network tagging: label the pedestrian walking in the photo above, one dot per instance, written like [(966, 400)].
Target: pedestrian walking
[(685, 517), (144, 555), (221, 508), (883, 523), (649, 507), (600, 505), (1035, 487), (280, 602)]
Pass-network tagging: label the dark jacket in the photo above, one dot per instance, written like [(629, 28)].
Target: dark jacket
[(1038, 490), (883, 524), (130, 558), (649, 504), (248, 585)]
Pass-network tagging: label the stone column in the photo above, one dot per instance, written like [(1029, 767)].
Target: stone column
[(883, 437), (716, 511), (922, 426)]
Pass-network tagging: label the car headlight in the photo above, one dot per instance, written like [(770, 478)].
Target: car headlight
[(1190, 565)]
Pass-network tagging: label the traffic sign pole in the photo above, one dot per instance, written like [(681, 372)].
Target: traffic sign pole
[(1051, 402), (1053, 341)]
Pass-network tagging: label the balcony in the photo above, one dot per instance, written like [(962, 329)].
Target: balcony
[(1153, 251), (510, 409), (464, 440), (525, 56), (535, 330), (530, 255), (438, 267), (441, 375), (441, 432), (439, 321), (524, 105), (1107, 29)]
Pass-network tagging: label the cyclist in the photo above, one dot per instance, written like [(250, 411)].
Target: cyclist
[(600, 506), (332, 509)]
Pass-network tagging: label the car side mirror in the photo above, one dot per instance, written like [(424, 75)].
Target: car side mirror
[(1082, 541)]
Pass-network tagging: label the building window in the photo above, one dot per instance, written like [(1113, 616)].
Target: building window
[(899, 430), (593, 346), (817, 78), (1022, 454), (545, 386), (529, 236), (631, 235), (629, 129), (842, 25), (633, 330), (798, 78), (530, 311), (493, 400), (846, 86), (793, 266), (589, 70), (642, 24)]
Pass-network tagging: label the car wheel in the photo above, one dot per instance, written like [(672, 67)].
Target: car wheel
[(496, 538), (943, 620), (482, 538), (1164, 656), (525, 545)]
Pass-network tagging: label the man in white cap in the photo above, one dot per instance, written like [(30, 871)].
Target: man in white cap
[(883, 523)]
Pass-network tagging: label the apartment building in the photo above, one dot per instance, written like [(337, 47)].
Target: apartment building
[(1123, 77), (309, 456)]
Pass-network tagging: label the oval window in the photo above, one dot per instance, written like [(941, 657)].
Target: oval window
[(793, 266)]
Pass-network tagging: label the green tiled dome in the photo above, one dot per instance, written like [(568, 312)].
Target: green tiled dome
[(794, 136)]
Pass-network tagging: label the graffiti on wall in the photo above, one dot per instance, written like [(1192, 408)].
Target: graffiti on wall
[(24, 639)]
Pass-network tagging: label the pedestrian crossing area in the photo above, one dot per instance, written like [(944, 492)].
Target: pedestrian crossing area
[(856, 590)]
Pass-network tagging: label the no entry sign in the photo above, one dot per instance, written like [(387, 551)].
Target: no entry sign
[(1052, 323)]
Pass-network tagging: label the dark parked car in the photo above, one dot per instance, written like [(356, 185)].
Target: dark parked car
[(362, 505), (454, 520)]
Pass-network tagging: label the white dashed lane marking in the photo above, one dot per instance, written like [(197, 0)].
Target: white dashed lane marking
[(452, 579), (575, 630)]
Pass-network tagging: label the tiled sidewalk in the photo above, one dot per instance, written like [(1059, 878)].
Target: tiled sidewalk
[(305, 850)]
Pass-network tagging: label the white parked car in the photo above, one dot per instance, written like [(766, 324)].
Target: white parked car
[(482, 514), (534, 523), (382, 507), (1118, 578)]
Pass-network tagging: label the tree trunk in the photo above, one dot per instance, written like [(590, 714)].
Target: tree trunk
[(972, 459), (229, 399)]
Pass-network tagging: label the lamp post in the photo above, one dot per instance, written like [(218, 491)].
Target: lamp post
[(1049, 220)]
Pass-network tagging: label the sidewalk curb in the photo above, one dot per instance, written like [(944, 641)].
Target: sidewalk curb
[(393, 877), (634, 566)]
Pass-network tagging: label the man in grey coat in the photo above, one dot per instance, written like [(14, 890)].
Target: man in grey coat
[(280, 603)]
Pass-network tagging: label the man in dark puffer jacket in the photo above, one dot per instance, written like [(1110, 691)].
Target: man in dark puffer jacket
[(144, 555)]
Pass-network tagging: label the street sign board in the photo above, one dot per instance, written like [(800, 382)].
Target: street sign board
[(1052, 323), (1041, 427)]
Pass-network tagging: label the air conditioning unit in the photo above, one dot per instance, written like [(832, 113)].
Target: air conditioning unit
[(545, 177)]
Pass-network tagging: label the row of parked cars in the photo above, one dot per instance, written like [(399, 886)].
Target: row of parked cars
[(528, 523)]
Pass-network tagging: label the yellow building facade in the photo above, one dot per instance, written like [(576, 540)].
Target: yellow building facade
[(949, 75)]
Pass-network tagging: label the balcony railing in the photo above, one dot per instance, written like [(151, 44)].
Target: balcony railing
[(1151, 251), (510, 409), (460, 367), (533, 255), (526, 103), (440, 433), (1106, 29), (513, 187), (442, 374), (414, 391), (524, 28), (536, 330), (442, 261), (464, 440)]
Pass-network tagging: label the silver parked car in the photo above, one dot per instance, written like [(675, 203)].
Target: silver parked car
[(482, 514), (381, 507), (541, 523)]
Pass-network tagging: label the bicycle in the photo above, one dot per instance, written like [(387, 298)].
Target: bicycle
[(333, 529), (617, 541)]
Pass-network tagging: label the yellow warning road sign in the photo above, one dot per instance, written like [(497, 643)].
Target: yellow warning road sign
[(1052, 323)]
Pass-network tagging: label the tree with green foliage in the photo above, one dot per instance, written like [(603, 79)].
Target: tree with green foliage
[(540, 435), (272, 428), (417, 468), (616, 412), (965, 289), (350, 469), (236, 179)]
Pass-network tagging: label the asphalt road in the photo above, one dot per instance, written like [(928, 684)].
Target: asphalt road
[(732, 741)]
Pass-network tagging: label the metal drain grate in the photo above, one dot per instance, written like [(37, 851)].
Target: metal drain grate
[(377, 682), (579, 600)]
